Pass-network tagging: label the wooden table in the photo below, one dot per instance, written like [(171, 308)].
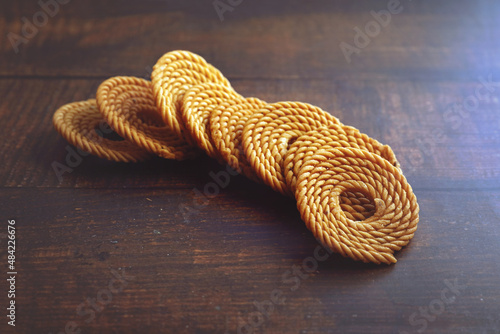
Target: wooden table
[(105, 249)]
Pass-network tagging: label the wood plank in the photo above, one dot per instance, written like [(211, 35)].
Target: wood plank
[(202, 275), (258, 40)]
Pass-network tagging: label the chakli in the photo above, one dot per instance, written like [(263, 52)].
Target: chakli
[(350, 190)]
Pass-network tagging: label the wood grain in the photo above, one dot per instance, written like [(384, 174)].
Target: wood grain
[(289, 39), (192, 264), (207, 271)]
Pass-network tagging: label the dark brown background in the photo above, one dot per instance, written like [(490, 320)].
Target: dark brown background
[(407, 88)]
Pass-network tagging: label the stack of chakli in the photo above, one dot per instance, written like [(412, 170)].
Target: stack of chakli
[(349, 188)]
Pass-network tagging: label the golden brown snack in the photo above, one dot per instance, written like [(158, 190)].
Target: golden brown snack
[(80, 124), (349, 189), (174, 74), (127, 104), (226, 128), (198, 105), (334, 136), (269, 133), (333, 171)]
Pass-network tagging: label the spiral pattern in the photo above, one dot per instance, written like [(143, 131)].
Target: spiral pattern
[(333, 171), (127, 104), (198, 105), (226, 128), (81, 124), (349, 188), (174, 74), (269, 132), (333, 136)]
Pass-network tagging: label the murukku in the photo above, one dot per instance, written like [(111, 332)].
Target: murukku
[(174, 74), (269, 132), (226, 128), (333, 136), (127, 104), (82, 125), (349, 188), (331, 172), (198, 105)]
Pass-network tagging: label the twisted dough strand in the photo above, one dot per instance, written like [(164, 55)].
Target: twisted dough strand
[(198, 105), (78, 122), (226, 128), (334, 136), (174, 74), (332, 171), (356, 205), (269, 132), (127, 104)]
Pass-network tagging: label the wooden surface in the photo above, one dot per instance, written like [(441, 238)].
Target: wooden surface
[(414, 87)]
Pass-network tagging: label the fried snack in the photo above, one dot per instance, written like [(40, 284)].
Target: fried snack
[(334, 136), (269, 133), (226, 128), (198, 105), (333, 171), (127, 104), (349, 188), (174, 74), (82, 125)]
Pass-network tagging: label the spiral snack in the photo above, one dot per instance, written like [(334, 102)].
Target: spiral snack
[(197, 106), (226, 128), (333, 171), (334, 136), (349, 188), (354, 204), (174, 74), (127, 104), (82, 125), (269, 132)]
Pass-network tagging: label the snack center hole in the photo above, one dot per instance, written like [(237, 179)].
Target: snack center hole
[(144, 112), (291, 141), (150, 117), (357, 205), (105, 131)]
